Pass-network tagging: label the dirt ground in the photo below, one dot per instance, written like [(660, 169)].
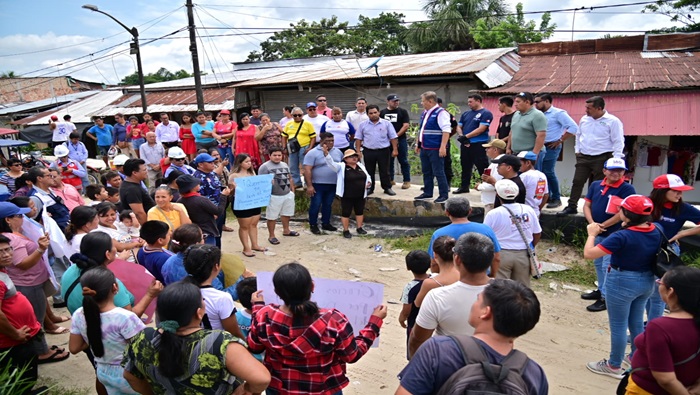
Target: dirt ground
[(566, 337)]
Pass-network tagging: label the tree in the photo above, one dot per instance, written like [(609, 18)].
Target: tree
[(513, 30), (161, 75), (677, 11), (371, 37), (8, 74)]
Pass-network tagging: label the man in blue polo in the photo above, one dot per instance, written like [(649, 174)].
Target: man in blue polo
[(560, 127), (210, 186), (103, 134), (473, 129), (434, 133), (596, 209)]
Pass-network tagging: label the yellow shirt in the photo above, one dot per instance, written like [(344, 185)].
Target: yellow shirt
[(156, 214), (306, 133)]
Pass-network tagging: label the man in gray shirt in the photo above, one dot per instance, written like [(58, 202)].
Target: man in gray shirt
[(282, 200), (321, 180), (380, 142), (152, 153)]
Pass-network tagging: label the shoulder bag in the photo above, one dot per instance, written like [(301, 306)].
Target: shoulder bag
[(293, 143), (535, 265)]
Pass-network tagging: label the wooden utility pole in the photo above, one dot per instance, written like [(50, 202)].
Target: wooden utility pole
[(195, 56)]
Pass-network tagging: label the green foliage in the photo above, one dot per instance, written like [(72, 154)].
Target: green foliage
[(691, 258), (161, 75), (577, 273), (512, 30), (11, 380), (677, 11), (378, 36), (7, 74), (409, 243)]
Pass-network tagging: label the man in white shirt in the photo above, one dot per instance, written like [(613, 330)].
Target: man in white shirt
[(535, 181), (442, 310), (494, 150), (600, 136), (359, 115), (167, 132), (515, 260), (152, 153), (61, 130), (315, 119)]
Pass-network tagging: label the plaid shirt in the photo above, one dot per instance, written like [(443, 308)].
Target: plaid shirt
[(308, 359)]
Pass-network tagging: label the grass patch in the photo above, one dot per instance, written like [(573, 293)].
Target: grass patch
[(409, 243), (691, 259), (56, 388), (582, 274), (302, 202)]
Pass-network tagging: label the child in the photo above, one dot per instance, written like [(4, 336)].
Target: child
[(202, 263), (153, 255), (173, 269), (112, 179), (418, 262), (113, 197), (128, 223), (245, 289), (96, 193), (105, 328), (282, 200), (136, 135)]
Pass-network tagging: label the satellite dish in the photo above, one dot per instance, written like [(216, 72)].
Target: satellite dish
[(373, 64)]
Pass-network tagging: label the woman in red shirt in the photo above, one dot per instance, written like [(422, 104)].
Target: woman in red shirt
[(187, 137), (245, 142), (226, 131)]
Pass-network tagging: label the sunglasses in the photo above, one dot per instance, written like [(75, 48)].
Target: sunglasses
[(321, 100), (297, 115), (311, 109)]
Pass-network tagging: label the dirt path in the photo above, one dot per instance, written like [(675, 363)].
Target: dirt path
[(566, 337)]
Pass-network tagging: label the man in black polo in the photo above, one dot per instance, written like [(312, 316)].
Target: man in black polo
[(133, 196), (400, 119)]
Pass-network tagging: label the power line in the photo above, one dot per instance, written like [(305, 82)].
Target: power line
[(72, 60)]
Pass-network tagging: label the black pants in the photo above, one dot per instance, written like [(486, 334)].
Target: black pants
[(589, 168), (347, 205), (381, 157), (474, 155), (449, 174), (25, 355)]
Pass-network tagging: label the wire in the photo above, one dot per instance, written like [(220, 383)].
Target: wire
[(227, 65), (98, 70), (253, 15), (227, 25), (204, 48), (72, 60)]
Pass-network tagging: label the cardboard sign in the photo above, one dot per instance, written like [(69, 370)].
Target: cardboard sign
[(355, 299), (137, 279), (252, 192)]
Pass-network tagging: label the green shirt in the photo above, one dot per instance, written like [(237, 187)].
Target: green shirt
[(524, 128)]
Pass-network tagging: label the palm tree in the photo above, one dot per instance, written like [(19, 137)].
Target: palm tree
[(8, 74)]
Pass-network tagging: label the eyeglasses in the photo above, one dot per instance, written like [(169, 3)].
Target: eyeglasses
[(658, 281), (311, 109), (297, 115), (177, 159), (17, 165), (321, 100)]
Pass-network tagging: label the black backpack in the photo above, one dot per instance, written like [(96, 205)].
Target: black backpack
[(481, 377)]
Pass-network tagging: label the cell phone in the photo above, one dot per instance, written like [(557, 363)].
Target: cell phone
[(487, 172)]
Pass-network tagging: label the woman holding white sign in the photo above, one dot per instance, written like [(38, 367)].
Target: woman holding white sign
[(288, 333), (247, 219)]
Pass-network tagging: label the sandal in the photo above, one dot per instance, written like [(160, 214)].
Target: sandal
[(227, 229), (291, 233), (54, 357), (248, 255), (273, 241), (58, 331), (61, 318), (261, 249)]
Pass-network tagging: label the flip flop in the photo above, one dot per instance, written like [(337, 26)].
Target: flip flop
[(263, 249), (227, 229), (54, 358), (248, 255), (57, 348), (58, 331), (61, 318), (291, 233), (273, 241)]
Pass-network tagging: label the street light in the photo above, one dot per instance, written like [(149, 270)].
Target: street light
[(134, 50)]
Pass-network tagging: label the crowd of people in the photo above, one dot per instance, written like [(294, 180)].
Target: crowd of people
[(164, 204)]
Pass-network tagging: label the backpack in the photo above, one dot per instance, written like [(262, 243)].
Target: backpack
[(481, 377)]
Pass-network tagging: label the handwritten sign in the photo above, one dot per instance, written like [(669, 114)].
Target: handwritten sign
[(253, 192), (355, 299)]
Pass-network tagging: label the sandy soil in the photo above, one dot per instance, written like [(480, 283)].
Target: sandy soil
[(566, 337)]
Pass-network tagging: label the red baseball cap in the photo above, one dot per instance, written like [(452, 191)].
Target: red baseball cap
[(638, 204), (225, 112), (671, 181), (54, 118)]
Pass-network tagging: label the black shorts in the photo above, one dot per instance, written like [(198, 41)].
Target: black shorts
[(348, 204), (251, 212)]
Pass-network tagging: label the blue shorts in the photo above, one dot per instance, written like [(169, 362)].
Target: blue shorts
[(137, 143), (103, 149)]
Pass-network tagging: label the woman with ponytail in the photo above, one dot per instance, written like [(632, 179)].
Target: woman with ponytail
[(105, 328), (667, 360), (180, 357), (447, 273), (306, 348), (83, 220)]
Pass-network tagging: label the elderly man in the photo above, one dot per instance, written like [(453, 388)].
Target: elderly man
[(400, 119), (152, 153), (379, 141), (435, 129), (528, 129)]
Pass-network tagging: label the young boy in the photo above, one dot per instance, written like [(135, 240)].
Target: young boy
[(96, 193), (282, 199), (245, 288), (418, 262), (153, 255), (78, 152)]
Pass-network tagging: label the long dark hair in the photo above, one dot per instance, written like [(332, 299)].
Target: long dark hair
[(200, 261), (97, 287), (93, 248), (442, 247), (293, 284), (658, 197), (239, 123), (635, 219), (104, 207), (178, 302), (79, 217), (240, 158), (684, 280), (185, 236)]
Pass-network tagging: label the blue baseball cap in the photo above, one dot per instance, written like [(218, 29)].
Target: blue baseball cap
[(311, 104), (7, 209), (527, 155), (204, 158)]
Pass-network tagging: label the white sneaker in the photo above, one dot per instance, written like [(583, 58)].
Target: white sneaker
[(626, 361), (604, 368)]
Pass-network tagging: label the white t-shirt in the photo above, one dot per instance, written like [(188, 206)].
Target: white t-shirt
[(75, 244), (63, 131), (535, 188), (117, 235), (356, 118), (446, 309), (506, 232), (218, 305), (340, 132), (317, 121), (488, 191)]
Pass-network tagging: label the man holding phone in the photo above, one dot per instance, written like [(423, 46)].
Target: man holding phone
[(321, 181)]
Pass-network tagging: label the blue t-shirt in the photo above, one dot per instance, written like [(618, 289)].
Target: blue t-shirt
[(456, 230), (633, 248), (119, 133), (173, 270), (439, 357), (673, 223), (153, 260), (321, 172), (599, 196), (104, 134), (244, 321), (197, 132), (471, 120)]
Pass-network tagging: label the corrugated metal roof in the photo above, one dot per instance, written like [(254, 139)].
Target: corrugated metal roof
[(604, 72), (80, 111), (487, 61), (20, 108), (171, 101)]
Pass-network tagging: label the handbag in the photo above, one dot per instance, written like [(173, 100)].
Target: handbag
[(293, 143), (535, 264), (666, 258), (622, 387)]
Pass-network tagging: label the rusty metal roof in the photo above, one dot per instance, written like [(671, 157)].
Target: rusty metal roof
[(79, 110), (605, 72), (493, 67), (171, 101)]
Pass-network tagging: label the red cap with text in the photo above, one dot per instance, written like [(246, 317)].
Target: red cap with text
[(638, 204), (671, 181)]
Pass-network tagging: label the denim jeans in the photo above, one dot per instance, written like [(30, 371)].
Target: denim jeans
[(210, 240), (550, 160), (601, 267), (226, 153), (432, 165), (296, 159), (655, 305), (322, 201), (403, 161), (626, 309), (540, 158)]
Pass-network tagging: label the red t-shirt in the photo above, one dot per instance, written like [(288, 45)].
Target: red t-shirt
[(17, 309)]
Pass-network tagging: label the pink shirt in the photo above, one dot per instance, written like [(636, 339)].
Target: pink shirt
[(71, 197), (23, 247)]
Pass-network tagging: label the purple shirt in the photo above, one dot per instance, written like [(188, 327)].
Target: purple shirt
[(376, 135)]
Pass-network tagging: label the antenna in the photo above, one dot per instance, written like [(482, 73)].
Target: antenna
[(375, 64)]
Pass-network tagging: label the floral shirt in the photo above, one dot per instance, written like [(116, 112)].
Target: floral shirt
[(271, 138), (205, 358), (210, 185)]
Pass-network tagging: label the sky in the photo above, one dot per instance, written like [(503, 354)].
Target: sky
[(43, 37)]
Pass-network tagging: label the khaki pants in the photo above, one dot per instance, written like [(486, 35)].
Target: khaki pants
[(515, 265), (487, 208), (153, 175)]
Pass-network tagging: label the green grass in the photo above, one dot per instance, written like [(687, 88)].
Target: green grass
[(582, 274), (691, 259), (56, 388), (409, 243), (301, 203)]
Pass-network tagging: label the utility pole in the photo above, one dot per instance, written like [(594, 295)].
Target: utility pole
[(195, 56)]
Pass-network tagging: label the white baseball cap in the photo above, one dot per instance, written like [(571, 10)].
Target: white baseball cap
[(176, 153), (670, 181), (615, 163), (507, 189), (60, 151), (120, 159)]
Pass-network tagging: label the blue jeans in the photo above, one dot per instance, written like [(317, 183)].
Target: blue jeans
[(601, 267), (550, 160), (296, 159), (210, 240), (403, 161), (655, 305), (226, 153), (432, 165), (626, 309), (540, 158), (322, 201)]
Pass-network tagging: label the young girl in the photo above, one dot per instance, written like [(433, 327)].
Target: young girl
[(315, 344), (202, 263), (447, 272), (105, 328), (186, 136), (83, 220), (247, 219), (173, 269)]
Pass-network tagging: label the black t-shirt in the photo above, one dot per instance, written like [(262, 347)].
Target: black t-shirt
[(521, 196), (397, 118), (132, 193), (355, 182), (504, 126)]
